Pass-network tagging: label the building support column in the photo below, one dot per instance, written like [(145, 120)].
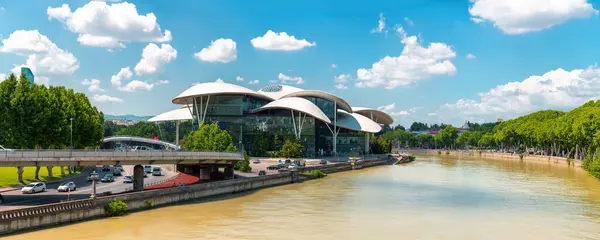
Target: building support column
[(335, 127), (177, 134), (49, 171), (62, 171), (138, 178), (367, 142), (204, 173), (37, 173), (20, 173), (229, 172)]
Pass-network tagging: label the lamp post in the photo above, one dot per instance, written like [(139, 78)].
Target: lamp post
[(94, 177), (71, 133)]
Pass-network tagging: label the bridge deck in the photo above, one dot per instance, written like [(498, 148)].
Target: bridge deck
[(99, 157)]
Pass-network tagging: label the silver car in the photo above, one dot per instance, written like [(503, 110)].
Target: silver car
[(65, 187)]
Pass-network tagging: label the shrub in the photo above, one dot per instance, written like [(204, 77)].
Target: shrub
[(292, 149), (315, 173), (569, 161), (116, 208), (149, 203), (521, 155), (412, 157), (244, 165)]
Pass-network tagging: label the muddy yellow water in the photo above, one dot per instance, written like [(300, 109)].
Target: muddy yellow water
[(432, 198)]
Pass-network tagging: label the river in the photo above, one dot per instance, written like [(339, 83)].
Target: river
[(431, 198)]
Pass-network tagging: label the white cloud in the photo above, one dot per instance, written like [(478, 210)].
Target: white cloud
[(518, 16), (287, 79), (220, 50), (409, 22), (334, 65), (102, 25), (94, 85), (341, 86), (161, 82), (123, 74), (431, 114), (470, 56), (280, 41), (390, 110), (42, 80), (154, 58), (273, 81), (342, 78), (43, 56), (387, 107), (219, 80), (2, 77), (106, 98), (556, 89), (380, 26), (415, 63), (254, 82), (136, 86), (239, 79)]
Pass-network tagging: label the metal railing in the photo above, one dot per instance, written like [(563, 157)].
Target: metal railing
[(24, 154), (45, 209)]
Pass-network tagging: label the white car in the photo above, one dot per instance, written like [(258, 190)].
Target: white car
[(34, 187), (66, 187)]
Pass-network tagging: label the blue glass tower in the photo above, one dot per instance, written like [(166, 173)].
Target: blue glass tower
[(28, 74)]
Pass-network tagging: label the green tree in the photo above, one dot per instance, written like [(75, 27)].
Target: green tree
[(244, 165), (448, 135), (292, 149), (260, 145), (209, 138)]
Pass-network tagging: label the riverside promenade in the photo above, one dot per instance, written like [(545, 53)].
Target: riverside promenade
[(491, 155)]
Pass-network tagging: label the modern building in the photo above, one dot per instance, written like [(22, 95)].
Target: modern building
[(28, 75), (326, 124)]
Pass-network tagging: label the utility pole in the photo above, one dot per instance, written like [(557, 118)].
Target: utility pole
[(71, 133)]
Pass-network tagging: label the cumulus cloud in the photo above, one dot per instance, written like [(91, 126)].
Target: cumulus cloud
[(517, 16), (43, 56), (239, 79), (556, 89), (109, 25), (340, 86), (94, 85), (342, 78), (389, 109), (287, 79), (137, 86), (2, 77), (415, 63), (124, 74), (154, 58), (380, 26), (409, 22), (253, 82), (280, 42), (221, 50), (105, 98), (470, 56)]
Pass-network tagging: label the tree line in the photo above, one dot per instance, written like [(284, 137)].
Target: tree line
[(34, 116)]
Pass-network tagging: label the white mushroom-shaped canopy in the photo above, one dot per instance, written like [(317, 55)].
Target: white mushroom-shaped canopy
[(277, 91), (356, 122), (341, 103), (215, 88), (374, 114), (297, 104), (182, 113)]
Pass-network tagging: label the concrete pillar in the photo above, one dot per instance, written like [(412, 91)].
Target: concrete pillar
[(62, 171), (70, 170), (49, 171), (205, 173), (37, 173), (138, 178), (229, 172), (20, 174)]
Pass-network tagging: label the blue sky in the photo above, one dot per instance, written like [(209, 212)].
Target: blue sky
[(524, 57)]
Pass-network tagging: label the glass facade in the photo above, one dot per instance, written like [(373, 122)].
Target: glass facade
[(234, 113)]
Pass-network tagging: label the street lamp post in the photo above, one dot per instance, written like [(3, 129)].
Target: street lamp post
[(71, 133), (94, 177)]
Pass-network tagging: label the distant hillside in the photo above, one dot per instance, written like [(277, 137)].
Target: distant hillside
[(126, 117)]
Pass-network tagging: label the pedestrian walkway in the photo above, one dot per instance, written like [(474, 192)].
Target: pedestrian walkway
[(182, 178)]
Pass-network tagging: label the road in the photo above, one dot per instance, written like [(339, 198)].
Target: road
[(16, 199)]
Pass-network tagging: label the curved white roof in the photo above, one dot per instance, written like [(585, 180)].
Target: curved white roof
[(378, 116), (214, 88), (297, 104), (182, 113), (341, 103), (356, 122), (277, 91)]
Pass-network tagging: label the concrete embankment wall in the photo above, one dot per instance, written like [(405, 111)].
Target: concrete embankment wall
[(70, 212), (493, 155)]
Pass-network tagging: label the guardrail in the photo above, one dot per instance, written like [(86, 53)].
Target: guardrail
[(12, 154), (46, 209)]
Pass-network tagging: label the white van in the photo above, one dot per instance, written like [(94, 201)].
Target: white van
[(156, 171)]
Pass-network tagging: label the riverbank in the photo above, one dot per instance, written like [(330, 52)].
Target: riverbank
[(493, 155), (28, 219)]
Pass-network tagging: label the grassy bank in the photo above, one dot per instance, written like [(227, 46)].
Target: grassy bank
[(8, 175)]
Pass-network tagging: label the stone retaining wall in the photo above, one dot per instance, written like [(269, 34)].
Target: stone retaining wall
[(493, 155)]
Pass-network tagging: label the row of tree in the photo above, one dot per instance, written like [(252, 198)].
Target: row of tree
[(36, 116)]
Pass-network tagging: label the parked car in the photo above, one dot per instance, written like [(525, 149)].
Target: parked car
[(287, 161), (66, 187), (2, 149), (117, 172), (34, 187), (108, 178), (292, 166), (256, 161), (323, 161), (119, 166), (105, 168), (148, 169), (262, 172), (92, 176), (273, 167), (127, 179), (282, 165), (156, 171), (142, 149)]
